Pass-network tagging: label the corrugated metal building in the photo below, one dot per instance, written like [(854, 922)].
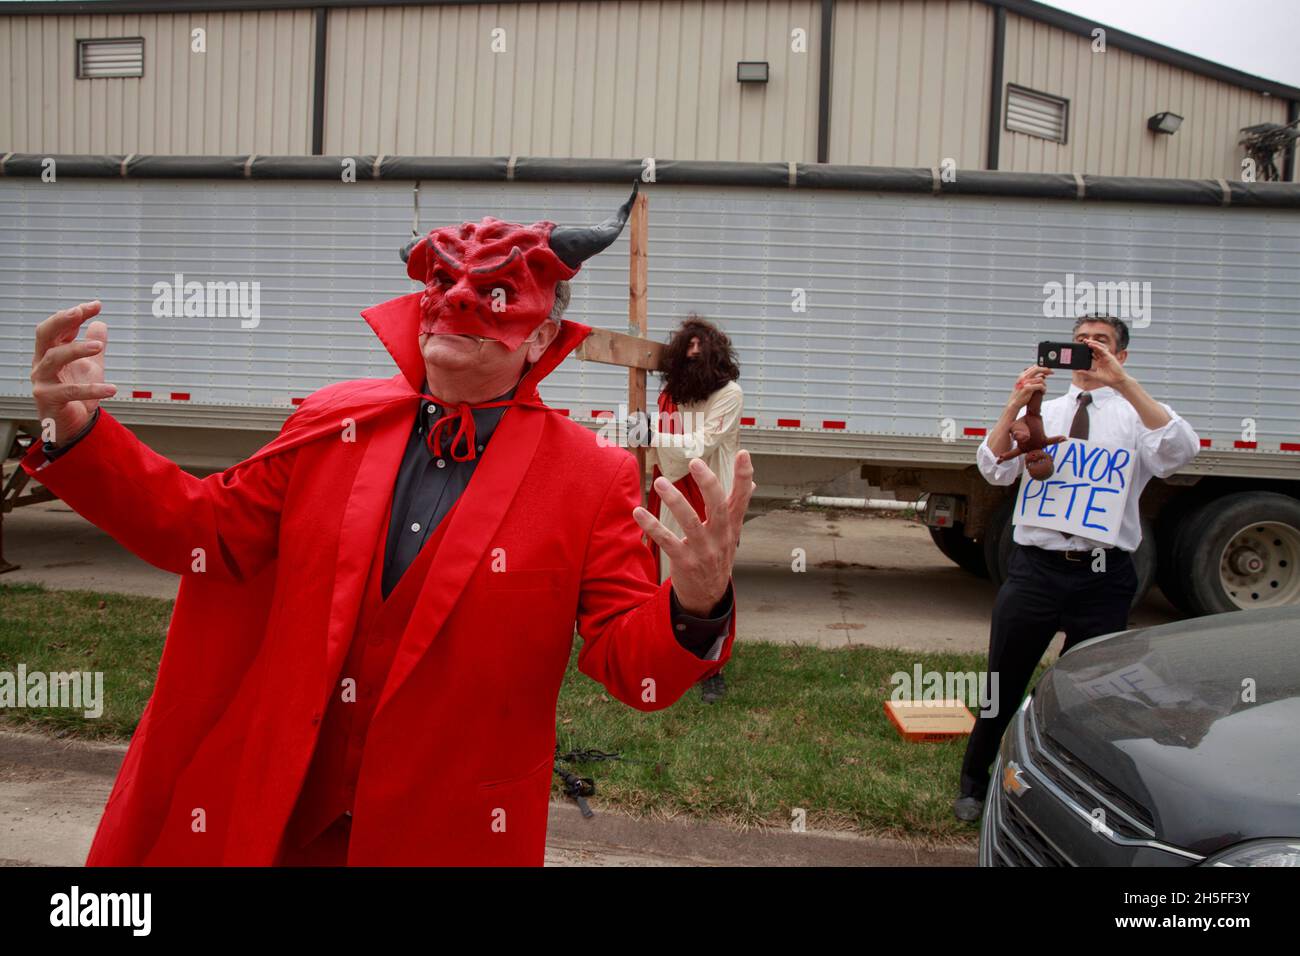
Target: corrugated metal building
[(993, 84)]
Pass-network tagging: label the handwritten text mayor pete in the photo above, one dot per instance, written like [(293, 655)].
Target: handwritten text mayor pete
[(1085, 495)]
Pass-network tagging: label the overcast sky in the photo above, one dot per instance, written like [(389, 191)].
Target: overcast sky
[(1260, 36)]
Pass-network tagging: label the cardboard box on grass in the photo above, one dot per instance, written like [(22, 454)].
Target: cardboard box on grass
[(931, 720)]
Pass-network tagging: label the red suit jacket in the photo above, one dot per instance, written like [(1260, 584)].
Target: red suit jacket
[(458, 760)]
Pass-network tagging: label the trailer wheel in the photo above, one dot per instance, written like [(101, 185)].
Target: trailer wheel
[(998, 541), (1170, 535), (1242, 551), (961, 550), (1145, 561)]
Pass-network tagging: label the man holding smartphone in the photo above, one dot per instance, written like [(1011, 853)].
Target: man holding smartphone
[(1051, 583)]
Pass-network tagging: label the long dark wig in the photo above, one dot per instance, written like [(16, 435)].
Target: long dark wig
[(690, 380)]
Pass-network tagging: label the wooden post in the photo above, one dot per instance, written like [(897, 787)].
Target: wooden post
[(637, 280), (633, 351)]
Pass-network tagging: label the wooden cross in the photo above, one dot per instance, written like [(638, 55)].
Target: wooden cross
[(634, 351)]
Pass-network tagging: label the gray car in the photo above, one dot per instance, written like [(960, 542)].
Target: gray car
[(1176, 745)]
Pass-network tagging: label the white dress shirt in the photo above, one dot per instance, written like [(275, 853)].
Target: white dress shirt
[(1158, 452)]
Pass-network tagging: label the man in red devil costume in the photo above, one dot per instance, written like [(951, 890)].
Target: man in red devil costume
[(376, 608)]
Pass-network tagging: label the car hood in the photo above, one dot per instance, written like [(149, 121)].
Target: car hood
[(1198, 722)]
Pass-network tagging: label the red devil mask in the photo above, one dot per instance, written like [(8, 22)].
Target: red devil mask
[(496, 280)]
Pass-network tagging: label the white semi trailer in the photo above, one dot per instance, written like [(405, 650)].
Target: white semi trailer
[(880, 315)]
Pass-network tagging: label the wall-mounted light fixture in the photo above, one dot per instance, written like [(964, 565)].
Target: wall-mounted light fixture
[(751, 71), (1165, 122)]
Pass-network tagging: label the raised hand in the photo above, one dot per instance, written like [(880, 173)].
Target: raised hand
[(702, 561), (1106, 368), (68, 375), (1032, 380)]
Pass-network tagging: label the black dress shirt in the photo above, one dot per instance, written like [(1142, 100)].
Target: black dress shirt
[(429, 484)]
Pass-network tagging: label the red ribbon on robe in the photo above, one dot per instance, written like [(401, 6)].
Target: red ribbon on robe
[(670, 422)]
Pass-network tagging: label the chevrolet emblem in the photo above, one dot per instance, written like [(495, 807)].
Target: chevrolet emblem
[(1012, 780)]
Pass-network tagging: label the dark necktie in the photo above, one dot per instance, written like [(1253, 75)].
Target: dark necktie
[(1079, 427)]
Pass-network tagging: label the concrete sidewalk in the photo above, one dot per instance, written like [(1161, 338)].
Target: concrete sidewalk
[(52, 792)]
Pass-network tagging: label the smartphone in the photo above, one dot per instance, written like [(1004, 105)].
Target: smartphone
[(1071, 355)]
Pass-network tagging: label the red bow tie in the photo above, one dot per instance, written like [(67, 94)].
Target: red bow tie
[(461, 414)]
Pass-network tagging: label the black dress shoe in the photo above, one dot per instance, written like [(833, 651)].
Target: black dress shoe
[(968, 809), (713, 689)]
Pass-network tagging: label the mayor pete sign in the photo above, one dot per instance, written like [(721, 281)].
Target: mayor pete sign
[(1085, 494)]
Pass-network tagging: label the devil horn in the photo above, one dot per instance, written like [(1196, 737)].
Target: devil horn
[(576, 244), (405, 251)]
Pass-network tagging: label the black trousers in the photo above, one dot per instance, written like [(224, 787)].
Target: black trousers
[(1044, 592)]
